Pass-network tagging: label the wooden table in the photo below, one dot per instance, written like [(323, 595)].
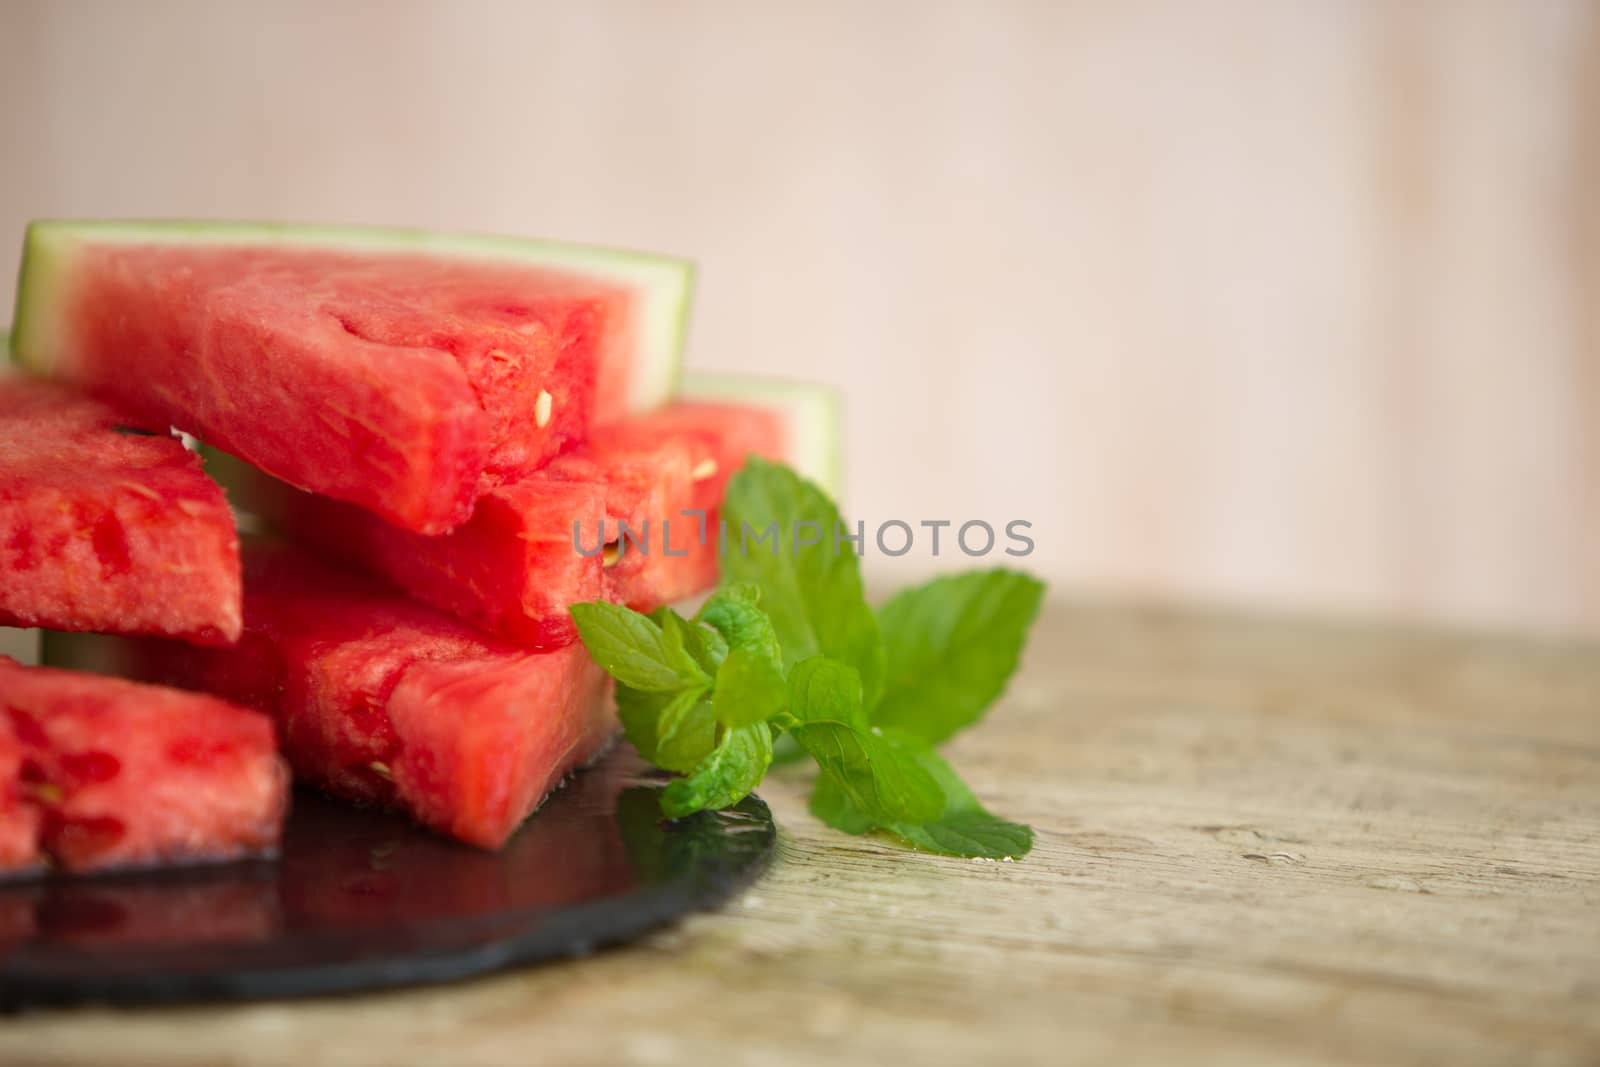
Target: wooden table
[(1259, 841)]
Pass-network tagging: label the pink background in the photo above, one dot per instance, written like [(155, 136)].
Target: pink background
[(1293, 304)]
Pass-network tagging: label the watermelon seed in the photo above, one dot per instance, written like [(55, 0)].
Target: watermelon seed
[(45, 793), (703, 470), (541, 408), (612, 553), (380, 769), (141, 490)]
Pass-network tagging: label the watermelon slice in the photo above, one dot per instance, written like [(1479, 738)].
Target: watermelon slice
[(538, 545), (382, 701), (102, 529), (399, 370), (101, 773)]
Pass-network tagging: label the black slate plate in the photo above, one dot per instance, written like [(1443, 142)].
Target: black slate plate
[(360, 901)]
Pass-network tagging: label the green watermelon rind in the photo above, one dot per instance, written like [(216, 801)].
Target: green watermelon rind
[(23, 645), (813, 413), (664, 284)]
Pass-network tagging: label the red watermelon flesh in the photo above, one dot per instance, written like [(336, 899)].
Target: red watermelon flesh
[(19, 820), (515, 567), (380, 700), (108, 531), (356, 366), (665, 474), (510, 568), (400, 395), (124, 775)]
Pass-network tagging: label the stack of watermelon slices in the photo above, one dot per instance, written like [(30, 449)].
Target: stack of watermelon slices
[(450, 440)]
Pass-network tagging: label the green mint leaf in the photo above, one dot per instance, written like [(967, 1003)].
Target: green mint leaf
[(812, 593), (964, 828), (750, 689), (748, 592), (687, 651), (726, 776), (952, 645), (735, 613), (975, 834), (886, 784), (832, 805), (705, 646), (640, 711), (824, 689), (786, 750), (633, 649), (686, 731)]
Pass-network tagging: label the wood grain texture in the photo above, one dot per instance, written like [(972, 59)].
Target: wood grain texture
[(1260, 841)]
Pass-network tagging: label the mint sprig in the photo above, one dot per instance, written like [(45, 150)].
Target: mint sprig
[(787, 647)]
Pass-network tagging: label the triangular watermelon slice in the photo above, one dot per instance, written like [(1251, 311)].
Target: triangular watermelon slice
[(400, 370), (106, 529)]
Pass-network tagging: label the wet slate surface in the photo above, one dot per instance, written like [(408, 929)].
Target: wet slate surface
[(360, 900)]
